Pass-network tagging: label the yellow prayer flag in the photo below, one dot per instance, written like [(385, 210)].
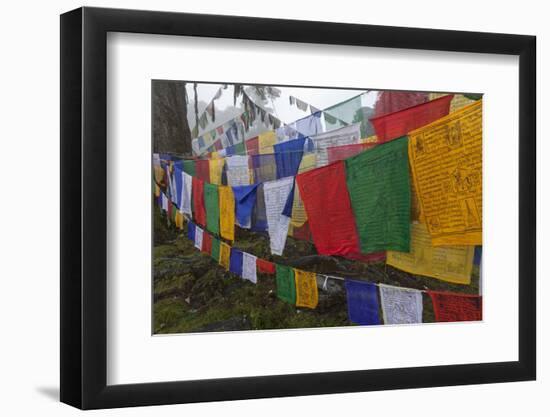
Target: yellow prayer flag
[(299, 216), (306, 289), (445, 158), (266, 141), (447, 263), (458, 101), (179, 219), (215, 155), (159, 174), (157, 190), (215, 166), (227, 212), (225, 255)]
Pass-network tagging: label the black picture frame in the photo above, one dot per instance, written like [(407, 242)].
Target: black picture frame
[(84, 207)]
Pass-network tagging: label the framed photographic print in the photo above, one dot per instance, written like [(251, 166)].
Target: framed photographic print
[(242, 195)]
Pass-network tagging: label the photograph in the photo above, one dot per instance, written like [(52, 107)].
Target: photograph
[(293, 207)]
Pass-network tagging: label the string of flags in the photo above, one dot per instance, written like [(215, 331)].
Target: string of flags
[(369, 200), (365, 300)]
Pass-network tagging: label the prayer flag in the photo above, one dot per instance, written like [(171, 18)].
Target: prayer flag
[(216, 167), (362, 302), (212, 206), (215, 251), (288, 156), (306, 289), (189, 167), (198, 238), (394, 125), (446, 159), (394, 101), (259, 216), (245, 197), (455, 307), (276, 195), (237, 170), (227, 212), (186, 195), (264, 167), (203, 169), (379, 189), (344, 113), (177, 179), (236, 262), (458, 101), (266, 141), (265, 267), (400, 305), (249, 267), (344, 136), (447, 263), (329, 212), (252, 146), (207, 243), (198, 201), (225, 255), (286, 286), (191, 231)]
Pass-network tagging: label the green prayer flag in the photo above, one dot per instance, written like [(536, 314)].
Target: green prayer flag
[(286, 287), (189, 167), (240, 149), (379, 189), (212, 206), (215, 253)]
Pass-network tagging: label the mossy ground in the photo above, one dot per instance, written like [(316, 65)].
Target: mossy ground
[(192, 293)]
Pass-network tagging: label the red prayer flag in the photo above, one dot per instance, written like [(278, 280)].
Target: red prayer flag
[(218, 145), (328, 207), (392, 101), (302, 233), (198, 201), (202, 167), (455, 307), (395, 125), (252, 146), (265, 267), (206, 242), (339, 153)]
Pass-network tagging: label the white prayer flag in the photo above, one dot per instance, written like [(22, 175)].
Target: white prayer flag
[(198, 237), (346, 135), (249, 267), (164, 202), (400, 305), (156, 160), (275, 196), (187, 184), (237, 170)]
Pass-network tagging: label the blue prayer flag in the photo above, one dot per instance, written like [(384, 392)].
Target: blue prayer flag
[(191, 231), (288, 156), (236, 262), (362, 302), (245, 198), (477, 255), (178, 179)]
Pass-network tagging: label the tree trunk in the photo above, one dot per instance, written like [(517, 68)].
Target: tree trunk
[(171, 133)]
